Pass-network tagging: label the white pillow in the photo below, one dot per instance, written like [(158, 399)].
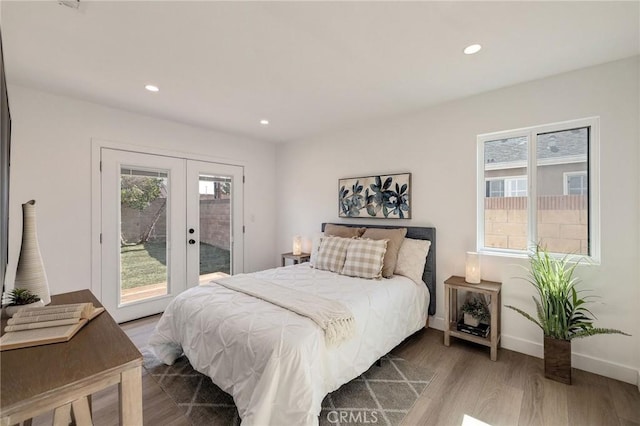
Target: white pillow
[(365, 258), (412, 258), (315, 246)]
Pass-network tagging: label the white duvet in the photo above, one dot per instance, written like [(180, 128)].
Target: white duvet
[(274, 362)]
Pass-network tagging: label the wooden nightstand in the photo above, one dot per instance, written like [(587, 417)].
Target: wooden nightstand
[(297, 258), (451, 287)]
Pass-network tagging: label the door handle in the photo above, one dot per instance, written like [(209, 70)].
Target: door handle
[(192, 241)]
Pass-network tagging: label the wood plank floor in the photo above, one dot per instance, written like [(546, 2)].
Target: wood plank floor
[(510, 391)]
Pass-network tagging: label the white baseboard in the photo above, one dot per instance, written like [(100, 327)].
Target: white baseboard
[(523, 346), (588, 363), (436, 322), (605, 368)]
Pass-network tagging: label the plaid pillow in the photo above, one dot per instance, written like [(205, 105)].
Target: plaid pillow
[(365, 258), (332, 253)]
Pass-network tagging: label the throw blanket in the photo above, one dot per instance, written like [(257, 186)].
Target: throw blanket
[(332, 316)]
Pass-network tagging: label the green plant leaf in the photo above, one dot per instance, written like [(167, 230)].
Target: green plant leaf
[(524, 314), (560, 307), (593, 331)]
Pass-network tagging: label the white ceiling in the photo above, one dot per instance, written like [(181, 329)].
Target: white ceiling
[(309, 67)]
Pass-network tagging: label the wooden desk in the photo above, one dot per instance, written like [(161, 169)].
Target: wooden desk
[(490, 288), (42, 378)]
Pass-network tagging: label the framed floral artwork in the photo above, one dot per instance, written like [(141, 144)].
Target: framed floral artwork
[(382, 196)]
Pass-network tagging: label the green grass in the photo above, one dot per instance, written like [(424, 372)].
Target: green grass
[(145, 264)]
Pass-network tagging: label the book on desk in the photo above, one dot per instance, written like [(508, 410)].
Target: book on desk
[(45, 325)]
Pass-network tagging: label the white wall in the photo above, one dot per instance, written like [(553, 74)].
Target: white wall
[(438, 146), (51, 163)]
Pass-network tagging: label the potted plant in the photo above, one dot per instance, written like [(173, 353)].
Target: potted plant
[(475, 312), (561, 312), (19, 298)]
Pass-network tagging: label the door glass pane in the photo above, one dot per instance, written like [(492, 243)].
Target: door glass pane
[(215, 225), (563, 191), (505, 202), (143, 233)]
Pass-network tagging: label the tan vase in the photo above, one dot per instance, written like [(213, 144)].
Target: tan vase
[(557, 360), (30, 272)]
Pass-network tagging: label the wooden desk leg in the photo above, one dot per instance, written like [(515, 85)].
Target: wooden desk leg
[(82, 412), (62, 415), (130, 388), (447, 313)]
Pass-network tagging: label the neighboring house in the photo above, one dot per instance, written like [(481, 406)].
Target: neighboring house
[(562, 185), (562, 165)]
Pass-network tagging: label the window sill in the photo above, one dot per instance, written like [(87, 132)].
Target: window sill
[(512, 254)]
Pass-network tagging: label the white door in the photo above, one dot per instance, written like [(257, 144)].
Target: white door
[(214, 220), (167, 224), (143, 222)]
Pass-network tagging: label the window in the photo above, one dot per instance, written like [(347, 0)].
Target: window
[(515, 187), (495, 188), (575, 183), (506, 187), (539, 185)]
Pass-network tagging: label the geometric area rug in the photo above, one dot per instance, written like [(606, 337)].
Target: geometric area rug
[(382, 395)]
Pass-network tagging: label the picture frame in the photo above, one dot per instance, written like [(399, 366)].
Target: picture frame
[(378, 196)]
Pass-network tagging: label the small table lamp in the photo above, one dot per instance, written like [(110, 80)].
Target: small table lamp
[(472, 268), (297, 245)]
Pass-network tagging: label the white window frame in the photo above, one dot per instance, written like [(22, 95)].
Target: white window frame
[(493, 179), (507, 187), (505, 184), (530, 133), (566, 176)]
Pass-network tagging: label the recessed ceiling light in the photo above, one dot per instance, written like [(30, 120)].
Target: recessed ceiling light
[(264, 122), (152, 88), (470, 50)]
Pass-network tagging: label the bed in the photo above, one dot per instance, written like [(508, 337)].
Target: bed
[(276, 363)]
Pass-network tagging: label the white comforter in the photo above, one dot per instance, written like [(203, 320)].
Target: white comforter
[(274, 362)]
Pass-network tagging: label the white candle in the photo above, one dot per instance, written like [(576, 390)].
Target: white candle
[(297, 245), (472, 268)]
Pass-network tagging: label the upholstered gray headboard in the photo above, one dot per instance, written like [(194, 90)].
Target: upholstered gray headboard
[(418, 233)]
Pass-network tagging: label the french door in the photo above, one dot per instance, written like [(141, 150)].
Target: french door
[(214, 201), (167, 224)]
